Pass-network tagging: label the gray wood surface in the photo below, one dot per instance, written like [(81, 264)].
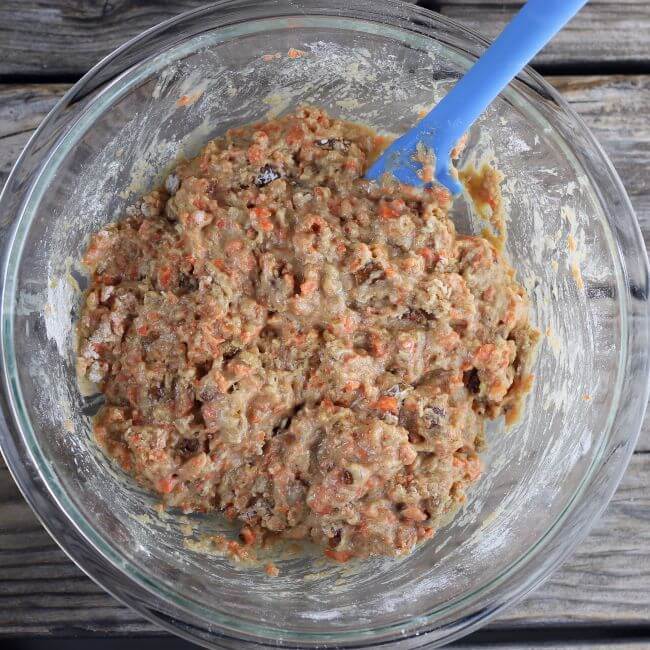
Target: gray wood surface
[(57, 38), (605, 32), (606, 581), (21, 110)]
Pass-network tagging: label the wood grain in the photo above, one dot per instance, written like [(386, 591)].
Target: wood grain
[(617, 110), (54, 38), (21, 110), (607, 577), (41, 590), (605, 32), (43, 593), (66, 37)]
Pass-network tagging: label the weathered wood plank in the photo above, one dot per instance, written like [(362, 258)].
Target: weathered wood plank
[(604, 32), (580, 645), (607, 578), (617, 110), (66, 37), (21, 110), (41, 590), (483, 639), (615, 107)]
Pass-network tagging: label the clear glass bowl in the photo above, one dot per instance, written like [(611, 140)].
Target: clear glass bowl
[(547, 479)]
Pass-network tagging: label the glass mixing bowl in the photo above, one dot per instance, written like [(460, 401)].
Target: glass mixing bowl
[(573, 239)]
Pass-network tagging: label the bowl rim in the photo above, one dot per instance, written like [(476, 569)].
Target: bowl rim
[(142, 596)]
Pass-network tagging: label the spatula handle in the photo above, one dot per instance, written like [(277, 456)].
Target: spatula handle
[(533, 26)]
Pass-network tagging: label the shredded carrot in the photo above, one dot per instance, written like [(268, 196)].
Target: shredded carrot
[(295, 54), (295, 135), (187, 100), (484, 353), (428, 253), (240, 369), (255, 154), (200, 204), (261, 216), (338, 556), (351, 386), (164, 277), (377, 345), (413, 513), (237, 550), (234, 246), (488, 294), (386, 403), (166, 485), (391, 209), (442, 194), (247, 535), (271, 570), (408, 264), (424, 532), (260, 213), (308, 287), (449, 341)]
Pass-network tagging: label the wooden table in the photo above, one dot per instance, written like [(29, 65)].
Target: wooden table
[(601, 63)]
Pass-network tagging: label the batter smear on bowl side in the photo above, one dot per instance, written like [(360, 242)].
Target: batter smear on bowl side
[(312, 355)]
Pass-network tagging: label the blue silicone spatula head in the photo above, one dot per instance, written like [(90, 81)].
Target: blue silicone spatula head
[(439, 131)]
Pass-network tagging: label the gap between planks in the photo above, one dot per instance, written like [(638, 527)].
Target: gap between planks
[(63, 38), (605, 36)]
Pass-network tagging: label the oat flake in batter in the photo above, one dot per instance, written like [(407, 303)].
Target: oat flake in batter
[(312, 355)]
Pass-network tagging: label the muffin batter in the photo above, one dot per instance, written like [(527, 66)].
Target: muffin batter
[(309, 353)]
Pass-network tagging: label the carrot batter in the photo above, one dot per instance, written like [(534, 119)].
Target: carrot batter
[(313, 355)]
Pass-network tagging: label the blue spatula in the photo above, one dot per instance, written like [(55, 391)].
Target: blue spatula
[(439, 131)]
